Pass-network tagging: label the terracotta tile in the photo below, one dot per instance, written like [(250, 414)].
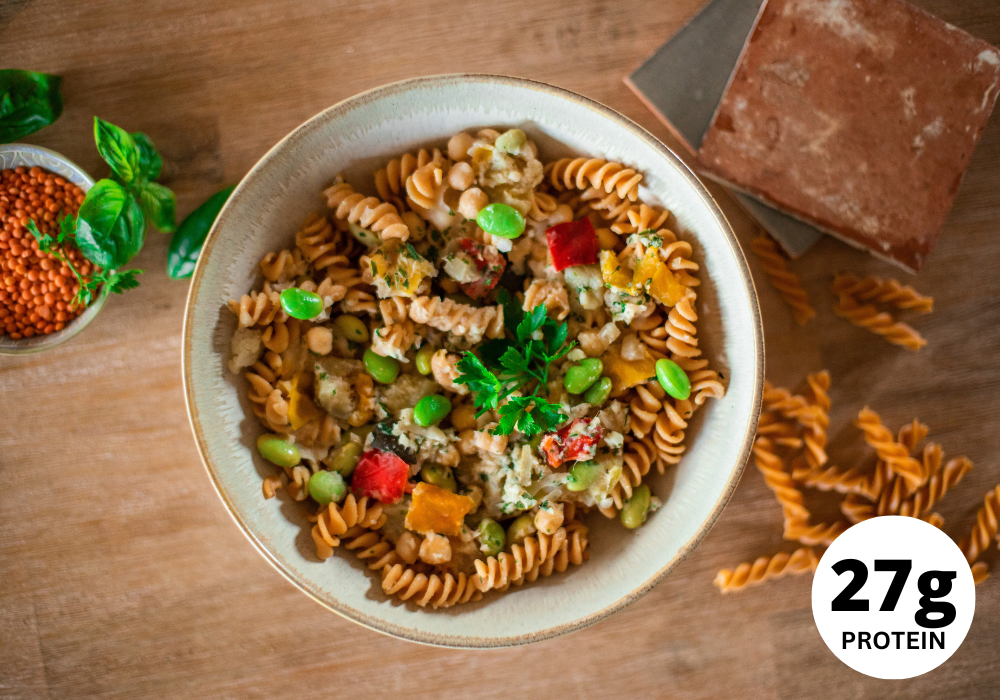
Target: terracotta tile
[(858, 116)]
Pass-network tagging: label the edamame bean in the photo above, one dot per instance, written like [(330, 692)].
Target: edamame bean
[(501, 220), (423, 360), (352, 328), (582, 475), (278, 450), (511, 141), (522, 526), (345, 458), (300, 303), (431, 410), (635, 509), (581, 377), (491, 537), (438, 475), (326, 486), (673, 379), (599, 392), (382, 369)]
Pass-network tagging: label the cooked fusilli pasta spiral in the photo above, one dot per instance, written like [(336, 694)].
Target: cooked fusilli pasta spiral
[(551, 294), (882, 291), (350, 207), (395, 340), (585, 173), (321, 244), (638, 457), (370, 547), (784, 280), (683, 338), (258, 308), (639, 218), (527, 560), (334, 522), (459, 319), (668, 432), (985, 529), (424, 187), (879, 323), (762, 569), (283, 266), (644, 407), (390, 181), (438, 591)]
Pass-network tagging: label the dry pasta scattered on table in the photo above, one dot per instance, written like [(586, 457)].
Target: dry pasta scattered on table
[(455, 372)]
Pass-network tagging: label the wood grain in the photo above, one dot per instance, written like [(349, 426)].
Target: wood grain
[(121, 573)]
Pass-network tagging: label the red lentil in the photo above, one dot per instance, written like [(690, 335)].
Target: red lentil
[(36, 288)]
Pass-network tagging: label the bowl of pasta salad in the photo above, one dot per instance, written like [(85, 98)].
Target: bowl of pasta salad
[(472, 360)]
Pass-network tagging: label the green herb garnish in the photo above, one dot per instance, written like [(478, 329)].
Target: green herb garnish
[(523, 365)]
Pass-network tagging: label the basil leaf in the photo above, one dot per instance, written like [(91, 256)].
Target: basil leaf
[(186, 244), (118, 149), (150, 162), (111, 228), (29, 101), (159, 205)]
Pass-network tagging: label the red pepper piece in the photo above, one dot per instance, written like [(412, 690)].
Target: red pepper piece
[(576, 441), (489, 263), (380, 475), (573, 243)]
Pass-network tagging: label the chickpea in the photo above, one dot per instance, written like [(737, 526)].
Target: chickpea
[(467, 442), (407, 546), (319, 340), (550, 519), (461, 176), (459, 145), (463, 417), (435, 549), (471, 202)]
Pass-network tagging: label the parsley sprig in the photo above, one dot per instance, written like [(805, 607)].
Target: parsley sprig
[(518, 364), (116, 281)]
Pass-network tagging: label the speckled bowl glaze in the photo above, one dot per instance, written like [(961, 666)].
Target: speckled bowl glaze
[(13, 155), (359, 135)]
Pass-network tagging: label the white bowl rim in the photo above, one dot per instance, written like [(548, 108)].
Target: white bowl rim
[(374, 623)]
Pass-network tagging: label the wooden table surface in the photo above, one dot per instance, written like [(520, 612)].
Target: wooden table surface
[(121, 574)]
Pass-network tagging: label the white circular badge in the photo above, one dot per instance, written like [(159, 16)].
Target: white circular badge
[(893, 597)]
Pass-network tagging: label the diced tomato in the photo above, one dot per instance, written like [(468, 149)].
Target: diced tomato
[(380, 475), (489, 263), (573, 243), (576, 441)]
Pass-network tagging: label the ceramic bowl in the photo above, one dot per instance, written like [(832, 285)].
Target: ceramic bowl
[(361, 134), (13, 155)]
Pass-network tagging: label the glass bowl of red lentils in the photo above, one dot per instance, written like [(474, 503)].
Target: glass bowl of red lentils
[(37, 289)]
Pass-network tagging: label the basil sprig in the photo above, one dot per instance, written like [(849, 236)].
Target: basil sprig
[(135, 164), (186, 244), (28, 102)]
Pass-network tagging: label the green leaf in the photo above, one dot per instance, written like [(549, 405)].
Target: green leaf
[(190, 236), (121, 281), (45, 241), (548, 415), (509, 414), (514, 361), (492, 350), (150, 162), (67, 228), (512, 312), (159, 205), (28, 102), (555, 335), (531, 323), (118, 149), (110, 226)]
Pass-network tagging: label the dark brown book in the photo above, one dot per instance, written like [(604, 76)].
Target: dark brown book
[(857, 116)]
